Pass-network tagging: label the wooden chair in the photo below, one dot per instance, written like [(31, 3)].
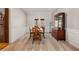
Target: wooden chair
[(36, 34), (30, 33), (43, 31)]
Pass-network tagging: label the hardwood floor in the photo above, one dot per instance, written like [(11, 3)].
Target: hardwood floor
[(3, 45), (47, 44)]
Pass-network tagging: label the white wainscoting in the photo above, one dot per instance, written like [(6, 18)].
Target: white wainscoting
[(72, 36), (16, 33)]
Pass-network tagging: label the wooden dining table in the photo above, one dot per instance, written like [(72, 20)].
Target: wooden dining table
[(35, 33)]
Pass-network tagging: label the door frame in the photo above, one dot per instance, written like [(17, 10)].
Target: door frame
[(6, 25)]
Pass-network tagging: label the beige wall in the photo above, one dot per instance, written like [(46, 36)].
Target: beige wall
[(72, 24)]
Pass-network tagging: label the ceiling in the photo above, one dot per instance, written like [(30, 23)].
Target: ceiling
[(29, 10)]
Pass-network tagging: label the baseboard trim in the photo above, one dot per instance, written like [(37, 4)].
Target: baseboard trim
[(72, 46), (19, 38)]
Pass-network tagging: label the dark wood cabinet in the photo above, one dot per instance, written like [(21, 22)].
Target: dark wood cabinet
[(58, 31)]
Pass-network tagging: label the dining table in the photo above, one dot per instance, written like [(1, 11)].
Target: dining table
[(35, 33)]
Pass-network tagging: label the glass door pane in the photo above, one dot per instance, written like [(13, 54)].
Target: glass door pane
[(60, 22)]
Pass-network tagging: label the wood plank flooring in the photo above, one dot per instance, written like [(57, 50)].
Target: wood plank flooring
[(47, 44), (3, 45)]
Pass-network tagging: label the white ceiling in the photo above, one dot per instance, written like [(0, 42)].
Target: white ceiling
[(28, 10)]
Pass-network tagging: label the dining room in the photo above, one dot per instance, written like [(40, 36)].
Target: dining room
[(42, 29)]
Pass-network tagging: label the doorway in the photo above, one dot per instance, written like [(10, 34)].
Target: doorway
[(4, 27)]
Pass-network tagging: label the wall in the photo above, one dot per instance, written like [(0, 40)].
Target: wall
[(1, 10), (17, 24), (72, 25), (46, 15)]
